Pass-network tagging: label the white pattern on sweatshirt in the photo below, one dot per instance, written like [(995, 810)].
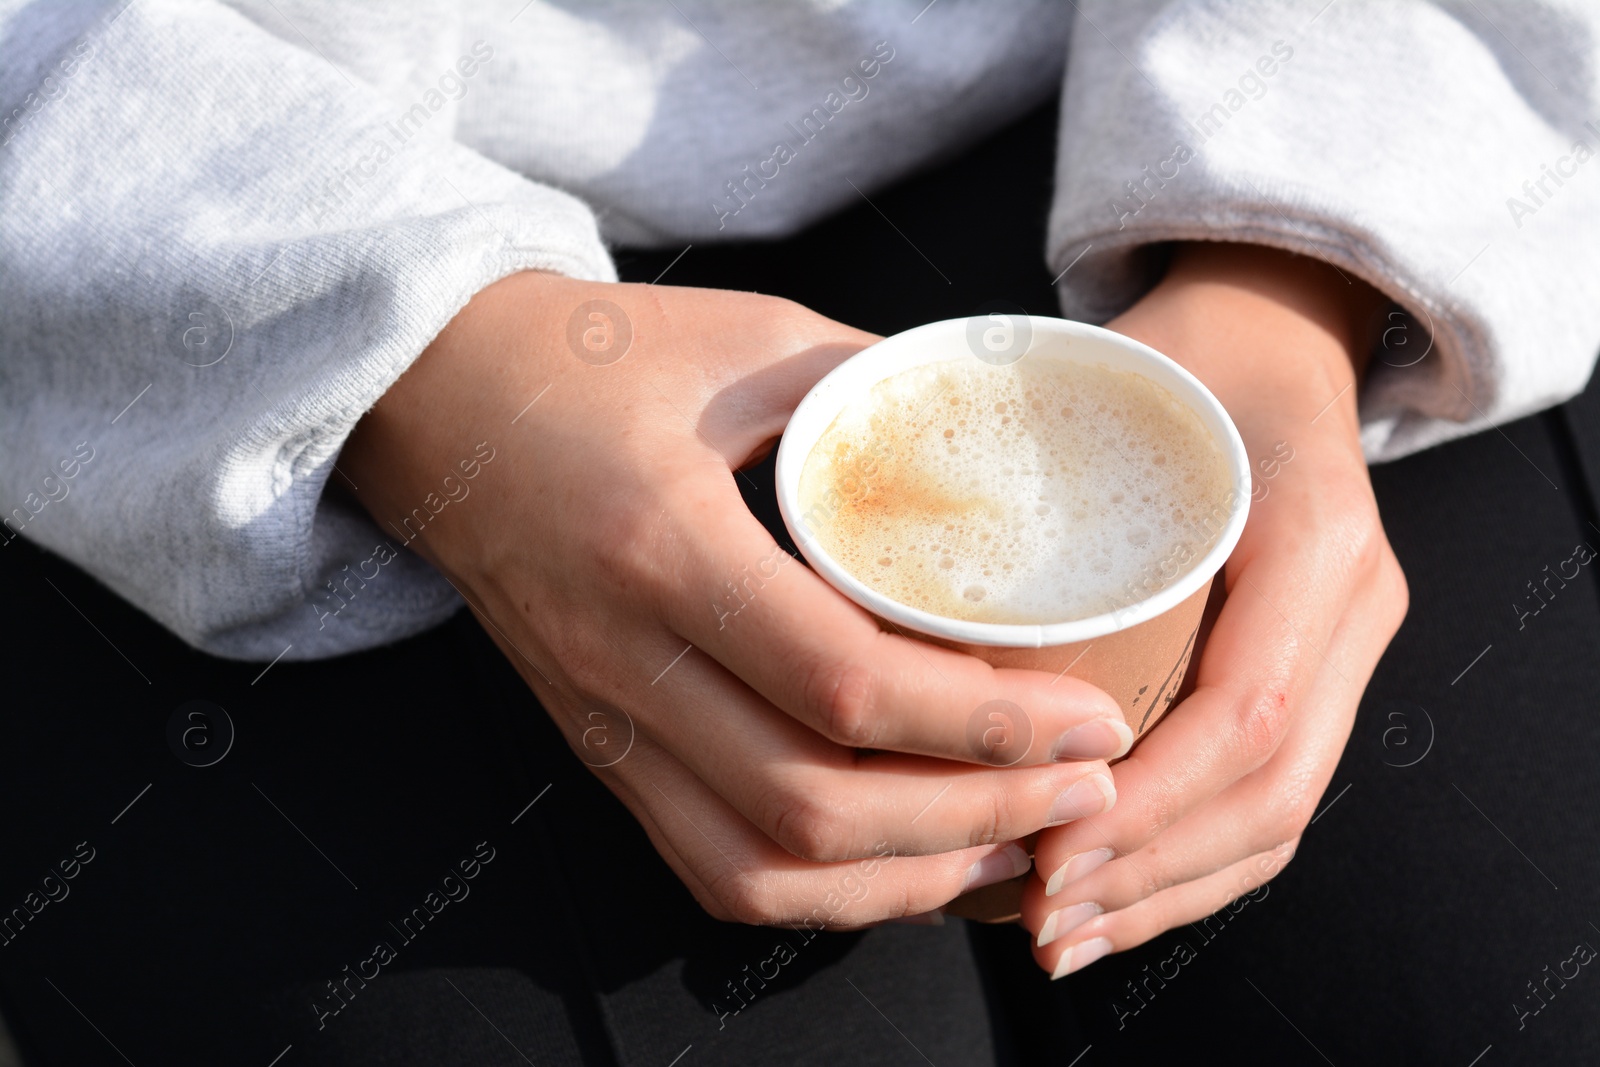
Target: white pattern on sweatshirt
[(227, 228)]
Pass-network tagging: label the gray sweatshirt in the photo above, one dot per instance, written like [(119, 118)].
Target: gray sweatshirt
[(226, 228)]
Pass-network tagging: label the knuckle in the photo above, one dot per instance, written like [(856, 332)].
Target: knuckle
[(1301, 811), (622, 545), (1147, 883), (1164, 805), (989, 818), (843, 698), (1151, 873), (585, 661), (747, 902), (787, 310), (1352, 537), (1141, 817), (790, 321), (710, 893), (808, 829), (1261, 722), (1268, 865), (1365, 533), (1295, 817), (1289, 810), (902, 901)]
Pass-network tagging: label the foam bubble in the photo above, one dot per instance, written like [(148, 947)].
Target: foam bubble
[(1028, 493)]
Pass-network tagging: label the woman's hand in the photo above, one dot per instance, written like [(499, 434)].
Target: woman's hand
[(720, 689), (1213, 801)]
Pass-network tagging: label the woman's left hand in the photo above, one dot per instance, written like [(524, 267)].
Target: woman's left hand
[(1212, 802)]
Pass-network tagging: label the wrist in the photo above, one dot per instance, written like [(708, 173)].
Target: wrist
[(1274, 335), (422, 446), (1309, 299)]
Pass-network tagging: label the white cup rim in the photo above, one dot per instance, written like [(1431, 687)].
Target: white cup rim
[(947, 340)]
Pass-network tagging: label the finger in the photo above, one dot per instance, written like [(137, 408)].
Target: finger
[(1271, 805), (822, 802), (1232, 888), (1223, 833), (1249, 818), (1255, 674), (811, 652), (827, 803), (742, 421), (739, 875)]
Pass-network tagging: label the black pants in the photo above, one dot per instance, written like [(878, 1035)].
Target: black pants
[(398, 860)]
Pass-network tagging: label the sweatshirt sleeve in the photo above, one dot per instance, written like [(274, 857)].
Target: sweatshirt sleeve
[(1443, 152), (218, 249)]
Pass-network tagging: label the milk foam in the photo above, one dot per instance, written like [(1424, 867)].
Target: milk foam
[(1032, 493)]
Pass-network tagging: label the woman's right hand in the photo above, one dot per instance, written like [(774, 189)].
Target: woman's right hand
[(725, 693)]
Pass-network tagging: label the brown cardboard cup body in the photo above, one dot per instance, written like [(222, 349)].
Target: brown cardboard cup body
[(1142, 668)]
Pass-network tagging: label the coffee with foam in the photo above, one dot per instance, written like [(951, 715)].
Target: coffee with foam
[(1040, 492)]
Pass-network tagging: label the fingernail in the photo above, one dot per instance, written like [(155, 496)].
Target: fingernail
[(1086, 796), (927, 918), (1007, 863), (1064, 921), (1076, 868), (1080, 956), (1101, 739)]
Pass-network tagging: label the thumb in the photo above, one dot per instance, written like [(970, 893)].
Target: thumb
[(745, 418)]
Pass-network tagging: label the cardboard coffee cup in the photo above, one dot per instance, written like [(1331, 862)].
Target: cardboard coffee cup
[(1139, 649)]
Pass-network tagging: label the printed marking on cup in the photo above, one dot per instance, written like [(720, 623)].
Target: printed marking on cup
[(1168, 691)]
